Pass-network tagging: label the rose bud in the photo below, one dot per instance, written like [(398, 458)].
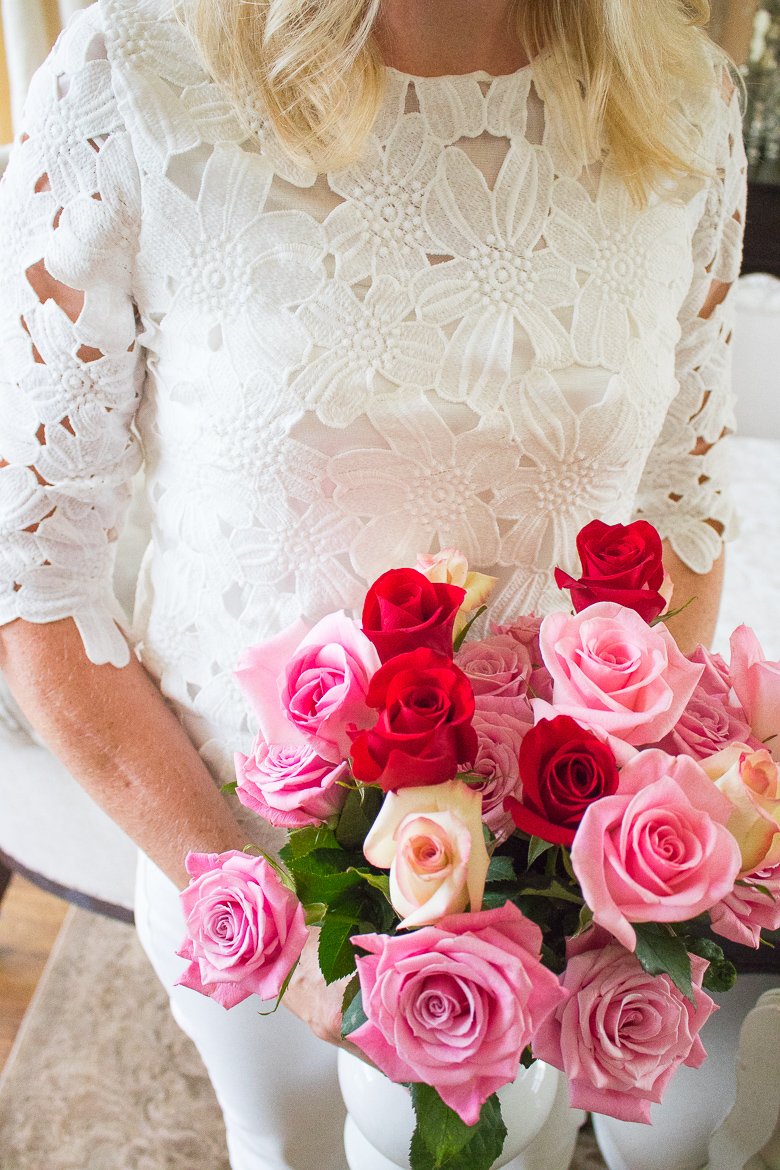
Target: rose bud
[(431, 840), (404, 611), (424, 732), (563, 769), (620, 563), (245, 928)]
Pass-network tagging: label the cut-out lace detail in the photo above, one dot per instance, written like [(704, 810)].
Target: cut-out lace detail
[(463, 339)]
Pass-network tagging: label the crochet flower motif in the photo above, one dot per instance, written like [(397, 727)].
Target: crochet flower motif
[(368, 346), (500, 281), (429, 484), (232, 265), (630, 256), (303, 553), (575, 468), (380, 228)]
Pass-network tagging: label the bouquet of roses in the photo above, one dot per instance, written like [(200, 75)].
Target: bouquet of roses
[(515, 847)]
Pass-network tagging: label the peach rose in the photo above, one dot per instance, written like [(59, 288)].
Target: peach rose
[(751, 781), (431, 840)]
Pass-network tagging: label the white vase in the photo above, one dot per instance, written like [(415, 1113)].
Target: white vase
[(380, 1117)]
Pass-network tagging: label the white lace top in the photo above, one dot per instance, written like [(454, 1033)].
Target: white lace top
[(462, 340)]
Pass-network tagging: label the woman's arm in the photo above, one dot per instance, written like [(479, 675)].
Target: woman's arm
[(115, 733), (696, 623)]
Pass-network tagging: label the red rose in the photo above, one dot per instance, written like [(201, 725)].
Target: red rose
[(403, 610), (621, 563), (424, 733), (563, 769)]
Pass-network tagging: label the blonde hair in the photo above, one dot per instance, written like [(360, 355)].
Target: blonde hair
[(312, 70)]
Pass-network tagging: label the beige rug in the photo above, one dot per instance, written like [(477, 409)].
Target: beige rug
[(101, 1078)]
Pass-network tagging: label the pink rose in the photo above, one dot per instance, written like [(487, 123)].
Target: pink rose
[(307, 686), (706, 726), (716, 679), (431, 840), (454, 1005), (245, 928), (752, 906), (611, 670), (526, 631), (658, 850), (622, 1034), (290, 786), (757, 683), (495, 666), (500, 725)]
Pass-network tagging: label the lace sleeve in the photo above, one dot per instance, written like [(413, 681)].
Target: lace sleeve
[(70, 369), (684, 490)]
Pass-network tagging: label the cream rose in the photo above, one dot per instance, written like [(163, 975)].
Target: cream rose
[(451, 568), (431, 840), (751, 781)]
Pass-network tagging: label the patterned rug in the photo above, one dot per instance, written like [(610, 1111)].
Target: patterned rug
[(102, 1079)]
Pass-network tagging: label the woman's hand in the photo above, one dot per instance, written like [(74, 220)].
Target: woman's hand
[(310, 998)]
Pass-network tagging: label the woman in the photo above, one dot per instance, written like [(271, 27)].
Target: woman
[(357, 280)]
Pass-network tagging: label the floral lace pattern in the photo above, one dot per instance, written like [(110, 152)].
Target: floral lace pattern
[(464, 339)]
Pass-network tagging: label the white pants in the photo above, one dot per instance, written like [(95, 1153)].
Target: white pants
[(274, 1080)]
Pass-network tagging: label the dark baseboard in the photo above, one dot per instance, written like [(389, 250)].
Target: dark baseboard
[(9, 866)]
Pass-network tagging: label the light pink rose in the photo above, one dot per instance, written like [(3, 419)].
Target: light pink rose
[(245, 928), (611, 670), (526, 631), (454, 1006), (706, 726), (716, 679), (752, 906), (431, 840), (622, 1034), (290, 786), (658, 850), (757, 683), (500, 725), (306, 686), (495, 666)]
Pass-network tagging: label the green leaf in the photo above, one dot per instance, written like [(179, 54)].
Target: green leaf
[(554, 890), (329, 861), (360, 810), (440, 1127), (500, 870), (354, 1015), (231, 786), (494, 899), (721, 975), (442, 1141), (586, 917), (661, 952), (461, 637), (350, 991), (314, 887), (303, 841), (488, 836), (314, 912), (527, 1057), (336, 954), (536, 847), (379, 881)]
